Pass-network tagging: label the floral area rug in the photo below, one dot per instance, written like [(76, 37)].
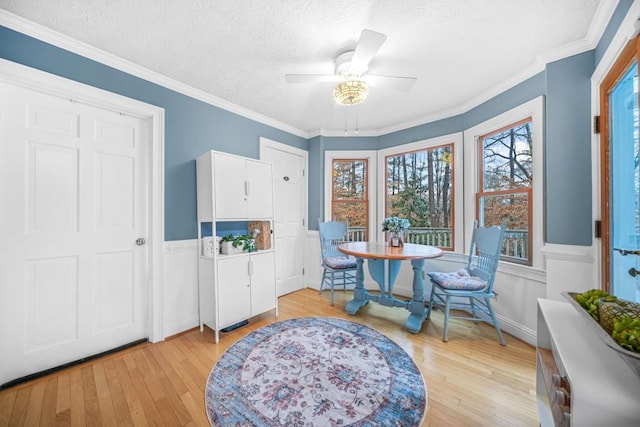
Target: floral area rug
[(315, 372)]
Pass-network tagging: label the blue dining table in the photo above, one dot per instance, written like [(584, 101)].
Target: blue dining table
[(384, 262)]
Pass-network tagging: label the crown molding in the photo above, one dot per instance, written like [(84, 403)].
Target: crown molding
[(596, 29), (62, 41)]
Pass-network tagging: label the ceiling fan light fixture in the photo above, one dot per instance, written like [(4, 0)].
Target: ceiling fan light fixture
[(351, 92)]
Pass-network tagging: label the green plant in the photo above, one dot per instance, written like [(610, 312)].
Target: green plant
[(590, 299), (626, 332), (244, 240)]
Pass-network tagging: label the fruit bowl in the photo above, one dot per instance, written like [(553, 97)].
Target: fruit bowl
[(630, 357)]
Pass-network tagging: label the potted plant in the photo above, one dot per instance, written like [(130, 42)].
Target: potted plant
[(231, 244), (395, 226)]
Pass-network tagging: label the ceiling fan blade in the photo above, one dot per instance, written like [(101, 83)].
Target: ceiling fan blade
[(403, 84), (311, 78), (368, 45)]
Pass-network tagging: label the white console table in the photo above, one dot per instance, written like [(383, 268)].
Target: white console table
[(580, 380)]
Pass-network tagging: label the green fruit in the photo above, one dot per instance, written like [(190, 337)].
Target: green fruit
[(590, 299), (626, 332)]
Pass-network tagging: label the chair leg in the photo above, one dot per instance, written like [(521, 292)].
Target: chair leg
[(324, 277), (473, 309), (496, 324), (433, 292), (332, 285), (445, 336)]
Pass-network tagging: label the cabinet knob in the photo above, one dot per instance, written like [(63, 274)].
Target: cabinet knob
[(561, 398)]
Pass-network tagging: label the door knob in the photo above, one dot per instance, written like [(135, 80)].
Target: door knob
[(140, 241), (633, 272)]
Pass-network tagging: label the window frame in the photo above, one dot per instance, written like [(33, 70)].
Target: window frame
[(371, 157), (365, 200), (482, 192), (455, 139), (533, 109)]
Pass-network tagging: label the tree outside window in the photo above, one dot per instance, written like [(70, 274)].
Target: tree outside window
[(349, 196), (419, 188), (505, 184)]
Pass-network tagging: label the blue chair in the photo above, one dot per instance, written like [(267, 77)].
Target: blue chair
[(474, 283), (338, 268)]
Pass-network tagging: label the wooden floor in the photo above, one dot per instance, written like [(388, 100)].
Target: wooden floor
[(471, 380)]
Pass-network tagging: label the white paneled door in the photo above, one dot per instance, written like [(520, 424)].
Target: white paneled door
[(73, 202), (289, 206)]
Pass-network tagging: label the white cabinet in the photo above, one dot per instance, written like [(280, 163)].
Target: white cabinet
[(241, 189), (580, 381), (246, 286), (233, 288)]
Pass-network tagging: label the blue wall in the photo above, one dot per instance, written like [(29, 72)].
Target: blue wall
[(568, 151), (567, 160), (191, 126)]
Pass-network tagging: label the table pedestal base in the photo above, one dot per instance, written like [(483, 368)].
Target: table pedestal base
[(384, 272)]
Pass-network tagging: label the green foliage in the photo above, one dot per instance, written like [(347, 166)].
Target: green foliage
[(590, 299), (626, 332), (419, 187), (246, 240)]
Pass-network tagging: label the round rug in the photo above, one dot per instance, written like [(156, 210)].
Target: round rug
[(315, 371)]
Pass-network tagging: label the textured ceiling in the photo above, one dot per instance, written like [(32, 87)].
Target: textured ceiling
[(240, 50)]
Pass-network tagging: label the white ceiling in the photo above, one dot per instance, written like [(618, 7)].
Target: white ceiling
[(461, 51)]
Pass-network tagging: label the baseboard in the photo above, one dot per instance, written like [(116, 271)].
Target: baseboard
[(180, 327)]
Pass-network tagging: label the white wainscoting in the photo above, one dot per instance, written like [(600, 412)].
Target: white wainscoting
[(180, 286), (568, 268)]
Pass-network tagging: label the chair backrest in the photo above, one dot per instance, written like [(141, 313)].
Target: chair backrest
[(332, 234), (486, 245)]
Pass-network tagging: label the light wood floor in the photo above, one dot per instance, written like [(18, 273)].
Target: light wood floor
[(471, 380)]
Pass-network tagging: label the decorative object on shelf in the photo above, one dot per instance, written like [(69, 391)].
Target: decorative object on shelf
[(261, 232), (395, 227), (315, 371), (208, 246), (237, 244)]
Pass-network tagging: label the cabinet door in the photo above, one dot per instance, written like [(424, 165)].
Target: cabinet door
[(234, 290), (263, 283), (260, 195), (230, 197)]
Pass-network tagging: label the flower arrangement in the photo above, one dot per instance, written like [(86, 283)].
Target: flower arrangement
[(395, 224)]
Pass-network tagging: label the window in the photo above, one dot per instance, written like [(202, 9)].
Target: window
[(505, 182), (419, 188), (505, 170), (350, 195)]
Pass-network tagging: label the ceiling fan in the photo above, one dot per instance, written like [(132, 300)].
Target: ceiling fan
[(351, 72)]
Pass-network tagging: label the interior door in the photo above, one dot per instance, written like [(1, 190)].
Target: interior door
[(73, 197), (289, 188)]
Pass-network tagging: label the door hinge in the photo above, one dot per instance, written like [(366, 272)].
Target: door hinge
[(597, 229), (303, 271), (302, 172), (303, 222), (596, 124)]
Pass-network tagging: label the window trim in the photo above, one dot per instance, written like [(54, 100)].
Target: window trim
[(535, 110), (456, 179)]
